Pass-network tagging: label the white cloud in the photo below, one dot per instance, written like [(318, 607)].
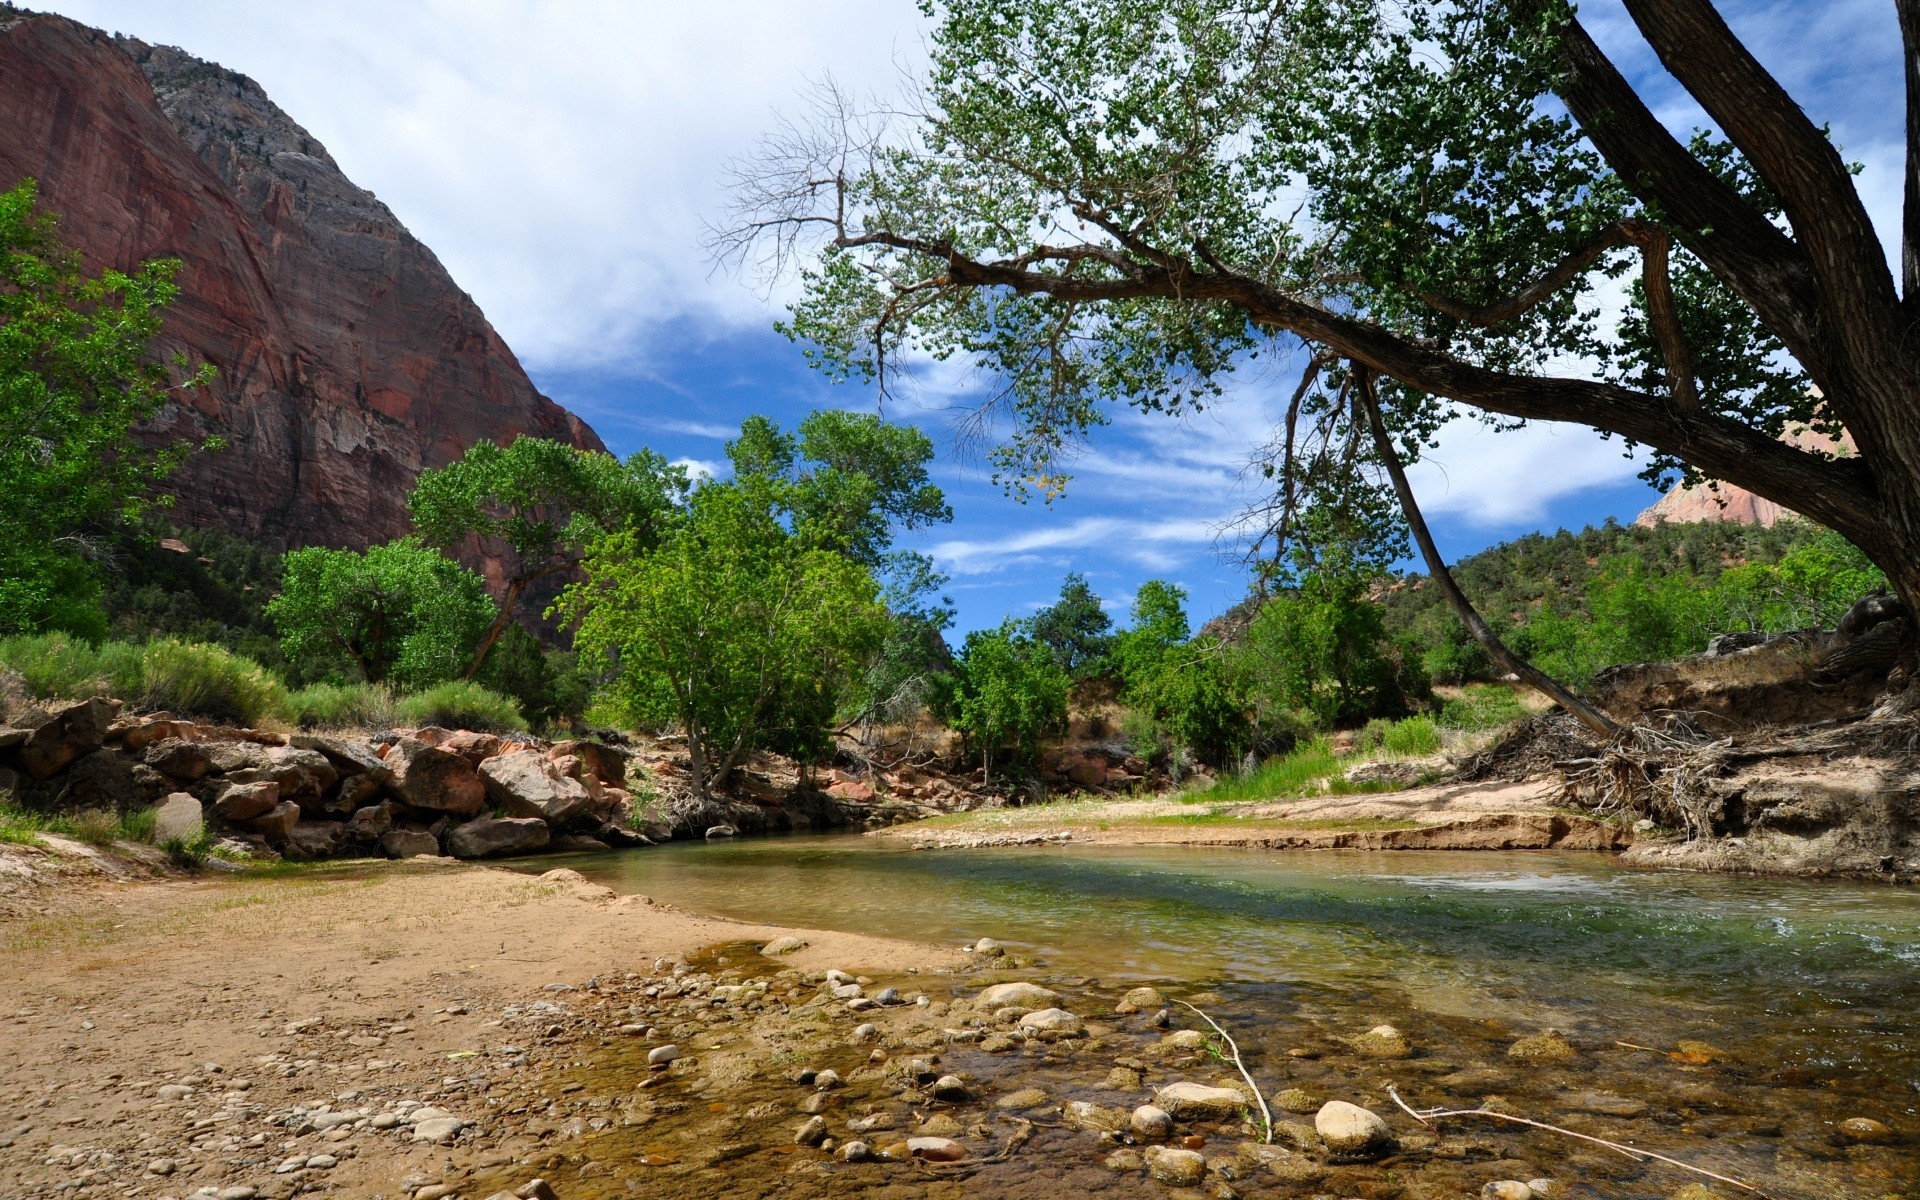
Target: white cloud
[(698, 468), (1155, 543), (559, 157)]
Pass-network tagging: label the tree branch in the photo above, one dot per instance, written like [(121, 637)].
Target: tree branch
[(1837, 493), (1564, 272), (1795, 157), (1589, 716), (1663, 315), (1735, 240)]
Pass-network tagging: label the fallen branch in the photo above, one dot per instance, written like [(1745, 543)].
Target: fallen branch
[(1632, 1152), (1266, 1114)]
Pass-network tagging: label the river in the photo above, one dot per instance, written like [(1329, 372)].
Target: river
[(1795, 1000)]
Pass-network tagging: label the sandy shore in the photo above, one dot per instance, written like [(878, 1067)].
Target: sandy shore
[(1492, 816), (244, 998)]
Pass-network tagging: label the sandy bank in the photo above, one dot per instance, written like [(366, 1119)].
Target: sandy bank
[(255, 995), (1490, 816)]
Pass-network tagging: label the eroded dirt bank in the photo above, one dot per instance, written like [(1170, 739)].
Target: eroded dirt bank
[(1469, 816)]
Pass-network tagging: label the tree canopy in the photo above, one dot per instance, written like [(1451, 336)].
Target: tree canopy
[(399, 612), (1122, 201), (545, 501), (77, 376)]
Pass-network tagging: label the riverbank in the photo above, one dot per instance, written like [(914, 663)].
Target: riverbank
[(1471, 816), (432, 1030), (164, 1037)]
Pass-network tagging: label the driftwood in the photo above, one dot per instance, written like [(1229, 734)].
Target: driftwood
[(1266, 1114), (1429, 1115)]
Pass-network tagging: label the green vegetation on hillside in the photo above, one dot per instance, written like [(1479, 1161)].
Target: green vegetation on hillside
[(1577, 602)]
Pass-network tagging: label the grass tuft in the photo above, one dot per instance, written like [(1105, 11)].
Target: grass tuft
[(461, 705), (342, 706), (189, 678), (1482, 706)]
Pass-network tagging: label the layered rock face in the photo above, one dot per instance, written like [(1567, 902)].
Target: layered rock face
[(348, 359)]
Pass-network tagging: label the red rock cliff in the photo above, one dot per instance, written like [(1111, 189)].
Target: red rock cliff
[(348, 358)]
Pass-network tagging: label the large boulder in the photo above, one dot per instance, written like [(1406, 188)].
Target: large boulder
[(529, 784), (110, 779), (178, 818), (277, 822), (138, 732), (409, 843), (245, 801), (493, 837), (63, 733), (349, 758), (371, 823), (305, 776), (314, 839), (426, 777), (177, 758), (606, 764), (476, 748)]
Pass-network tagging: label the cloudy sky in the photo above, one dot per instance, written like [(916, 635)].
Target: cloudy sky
[(560, 155)]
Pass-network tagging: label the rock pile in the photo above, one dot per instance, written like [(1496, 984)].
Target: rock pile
[(412, 792)]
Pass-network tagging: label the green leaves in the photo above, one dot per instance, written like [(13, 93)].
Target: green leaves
[(731, 628), (543, 498), (76, 377), (1005, 693), (398, 612)]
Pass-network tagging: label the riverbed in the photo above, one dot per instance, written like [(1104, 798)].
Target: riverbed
[(1735, 1023)]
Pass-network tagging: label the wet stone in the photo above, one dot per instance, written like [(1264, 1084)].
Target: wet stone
[(1175, 1168), (1543, 1050)]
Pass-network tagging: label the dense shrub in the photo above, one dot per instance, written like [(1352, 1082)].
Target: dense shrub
[(342, 706), (1004, 694), (461, 704), (188, 678), (1410, 737), (199, 680)]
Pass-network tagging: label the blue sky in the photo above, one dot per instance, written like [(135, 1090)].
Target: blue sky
[(560, 157)]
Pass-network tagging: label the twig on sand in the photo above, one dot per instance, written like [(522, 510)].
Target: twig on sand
[(1266, 1114), (1634, 1152)]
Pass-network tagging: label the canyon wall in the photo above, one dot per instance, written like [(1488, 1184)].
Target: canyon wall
[(348, 359)]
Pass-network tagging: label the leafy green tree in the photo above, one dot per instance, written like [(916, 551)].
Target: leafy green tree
[(733, 628), (1075, 627), (76, 377), (1006, 692), (546, 501), (1158, 631), (1122, 201), (400, 612), (1320, 650), (849, 482)]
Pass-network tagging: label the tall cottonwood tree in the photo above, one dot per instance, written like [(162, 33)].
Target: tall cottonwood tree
[(1123, 200)]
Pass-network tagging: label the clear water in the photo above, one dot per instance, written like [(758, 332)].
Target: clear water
[(1810, 988)]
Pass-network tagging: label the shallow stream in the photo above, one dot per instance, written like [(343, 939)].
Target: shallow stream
[(1797, 1000)]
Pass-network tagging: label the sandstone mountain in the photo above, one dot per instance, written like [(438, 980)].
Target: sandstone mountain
[(1722, 501), (348, 358)]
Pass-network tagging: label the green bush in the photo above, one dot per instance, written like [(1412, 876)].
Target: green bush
[(20, 827), (54, 666), (1410, 737), (182, 677), (1292, 774), (460, 704), (1482, 706), (342, 706), (202, 680)]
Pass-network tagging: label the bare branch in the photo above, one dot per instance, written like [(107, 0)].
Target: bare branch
[(1663, 315), (1589, 716)]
